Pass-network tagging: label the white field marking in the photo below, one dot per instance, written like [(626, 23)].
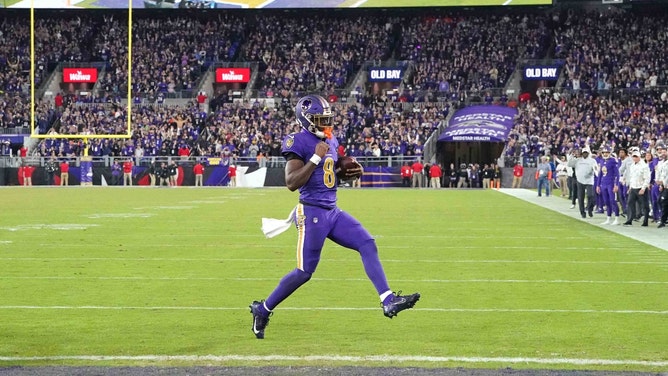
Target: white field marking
[(205, 202), (42, 226), (280, 246), (507, 2), (457, 236), (358, 4), (333, 260), (354, 309), (118, 215), (338, 358), (6, 242), (184, 207), (265, 3), (557, 281)]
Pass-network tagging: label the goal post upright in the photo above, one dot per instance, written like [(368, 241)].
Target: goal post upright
[(32, 67), (34, 133), (129, 117)]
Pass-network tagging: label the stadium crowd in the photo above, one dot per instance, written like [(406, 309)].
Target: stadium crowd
[(613, 50), (299, 54), (469, 53), (451, 54)]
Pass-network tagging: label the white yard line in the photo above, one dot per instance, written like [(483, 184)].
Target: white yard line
[(521, 281), (354, 309), (408, 247), (178, 259), (358, 4), (338, 358)]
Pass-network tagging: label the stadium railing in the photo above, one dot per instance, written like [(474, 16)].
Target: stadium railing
[(383, 161)]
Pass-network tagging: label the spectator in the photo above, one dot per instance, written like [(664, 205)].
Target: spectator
[(518, 173), (198, 170), (127, 172), (417, 174), (435, 174), (64, 172)]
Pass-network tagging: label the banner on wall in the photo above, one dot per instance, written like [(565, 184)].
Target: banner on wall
[(86, 171), (480, 123)]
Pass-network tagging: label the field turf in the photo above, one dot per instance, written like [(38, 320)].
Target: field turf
[(141, 276)]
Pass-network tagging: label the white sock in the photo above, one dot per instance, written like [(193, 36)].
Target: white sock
[(385, 295)]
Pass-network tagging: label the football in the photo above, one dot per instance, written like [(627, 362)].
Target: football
[(346, 163)]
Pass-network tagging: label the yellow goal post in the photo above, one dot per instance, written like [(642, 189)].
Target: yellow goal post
[(34, 133)]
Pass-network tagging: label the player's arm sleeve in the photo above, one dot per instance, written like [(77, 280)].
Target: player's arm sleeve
[(292, 155)]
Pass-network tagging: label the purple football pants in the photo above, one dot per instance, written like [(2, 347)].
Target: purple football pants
[(609, 200), (314, 225)]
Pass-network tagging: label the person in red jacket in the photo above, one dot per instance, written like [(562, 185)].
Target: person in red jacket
[(232, 170), (417, 173), (27, 175), (127, 172), (518, 172), (406, 175), (64, 173), (201, 99), (435, 174), (198, 170), (23, 152)]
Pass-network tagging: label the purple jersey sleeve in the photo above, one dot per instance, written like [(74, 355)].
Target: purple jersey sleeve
[(320, 189)]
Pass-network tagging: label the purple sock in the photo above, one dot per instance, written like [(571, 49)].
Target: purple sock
[(372, 266), (288, 284), (263, 311)]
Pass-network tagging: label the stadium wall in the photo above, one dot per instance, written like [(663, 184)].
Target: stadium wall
[(218, 176)]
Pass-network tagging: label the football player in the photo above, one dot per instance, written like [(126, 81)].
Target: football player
[(607, 185), (312, 169)]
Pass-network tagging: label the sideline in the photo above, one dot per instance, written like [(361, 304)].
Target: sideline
[(341, 358), (648, 235)]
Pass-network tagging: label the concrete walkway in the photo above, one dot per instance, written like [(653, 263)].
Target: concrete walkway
[(657, 237)]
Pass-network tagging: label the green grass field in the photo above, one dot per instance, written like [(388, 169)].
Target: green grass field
[(133, 276)]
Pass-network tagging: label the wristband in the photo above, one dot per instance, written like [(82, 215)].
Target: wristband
[(315, 159)]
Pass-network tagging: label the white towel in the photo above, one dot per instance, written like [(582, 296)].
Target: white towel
[(272, 227)]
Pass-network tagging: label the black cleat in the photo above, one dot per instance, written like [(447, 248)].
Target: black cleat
[(259, 320), (400, 303)]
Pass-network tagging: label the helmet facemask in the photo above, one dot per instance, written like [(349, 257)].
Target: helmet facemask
[(321, 125)]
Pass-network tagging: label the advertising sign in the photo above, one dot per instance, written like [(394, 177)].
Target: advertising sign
[(229, 75), (79, 75)]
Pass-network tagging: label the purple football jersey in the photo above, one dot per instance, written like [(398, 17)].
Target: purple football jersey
[(609, 172), (320, 189)]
